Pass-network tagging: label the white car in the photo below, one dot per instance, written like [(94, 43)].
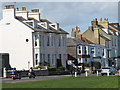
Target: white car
[(109, 70)]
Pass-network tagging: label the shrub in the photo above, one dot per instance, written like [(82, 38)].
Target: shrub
[(61, 68), (52, 68), (39, 67), (86, 64), (47, 64), (97, 65), (36, 67)]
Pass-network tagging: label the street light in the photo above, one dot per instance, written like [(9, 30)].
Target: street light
[(28, 65)]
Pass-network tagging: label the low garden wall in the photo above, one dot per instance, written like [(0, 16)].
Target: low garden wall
[(39, 73)]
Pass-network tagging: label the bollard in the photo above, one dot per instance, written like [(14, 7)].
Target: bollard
[(86, 74), (75, 73), (97, 73), (108, 74), (119, 72)]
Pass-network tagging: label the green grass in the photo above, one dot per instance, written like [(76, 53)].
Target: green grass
[(70, 82)]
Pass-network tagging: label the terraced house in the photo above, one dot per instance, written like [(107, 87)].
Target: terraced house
[(107, 34), (28, 39), (85, 51)]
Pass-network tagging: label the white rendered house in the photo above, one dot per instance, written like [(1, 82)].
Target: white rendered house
[(29, 40)]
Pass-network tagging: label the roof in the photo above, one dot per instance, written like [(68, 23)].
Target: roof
[(40, 28), (117, 29), (75, 42), (87, 41)]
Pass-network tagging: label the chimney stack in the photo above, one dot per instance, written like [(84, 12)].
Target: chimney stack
[(23, 8), (23, 13), (95, 19), (34, 13), (9, 7), (72, 29), (96, 35), (9, 12), (17, 9), (94, 22)]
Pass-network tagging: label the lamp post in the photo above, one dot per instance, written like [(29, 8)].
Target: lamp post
[(28, 65)]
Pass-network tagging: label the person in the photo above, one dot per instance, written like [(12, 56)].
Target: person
[(31, 73), (78, 70)]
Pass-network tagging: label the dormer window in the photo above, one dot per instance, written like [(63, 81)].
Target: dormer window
[(53, 25)]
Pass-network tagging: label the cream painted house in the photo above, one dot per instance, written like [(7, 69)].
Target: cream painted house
[(29, 40)]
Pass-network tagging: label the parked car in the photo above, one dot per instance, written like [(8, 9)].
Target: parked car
[(110, 70)]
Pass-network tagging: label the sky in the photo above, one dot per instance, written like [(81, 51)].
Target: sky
[(70, 14)]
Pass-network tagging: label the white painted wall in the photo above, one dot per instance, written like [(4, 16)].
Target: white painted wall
[(13, 41), (23, 14), (52, 49), (35, 15)]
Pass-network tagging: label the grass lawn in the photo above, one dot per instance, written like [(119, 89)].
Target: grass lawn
[(70, 82)]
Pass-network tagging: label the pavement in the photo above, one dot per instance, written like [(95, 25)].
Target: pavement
[(41, 78)]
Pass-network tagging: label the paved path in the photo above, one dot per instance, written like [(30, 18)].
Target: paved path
[(40, 78)]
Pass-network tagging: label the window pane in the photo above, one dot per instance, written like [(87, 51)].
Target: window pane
[(60, 56), (92, 50), (52, 59), (41, 57), (49, 58), (35, 40), (48, 41), (43, 41), (63, 41), (40, 40), (59, 42), (52, 39), (36, 58)]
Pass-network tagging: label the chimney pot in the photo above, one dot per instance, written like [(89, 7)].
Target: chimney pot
[(107, 19), (9, 6), (35, 10), (17, 9), (23, 8), (72, 29), (95, 19)]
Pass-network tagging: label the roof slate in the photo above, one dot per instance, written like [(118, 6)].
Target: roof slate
[(51, 30)]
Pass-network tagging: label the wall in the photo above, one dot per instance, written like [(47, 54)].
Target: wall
[(55, 49), (13, 41), (71, 50), (89, 35)]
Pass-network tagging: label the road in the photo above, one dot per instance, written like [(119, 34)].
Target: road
[(40, 78)]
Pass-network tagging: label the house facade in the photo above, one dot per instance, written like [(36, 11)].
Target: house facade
[(28, 39), (107, 34), (84, 51)]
